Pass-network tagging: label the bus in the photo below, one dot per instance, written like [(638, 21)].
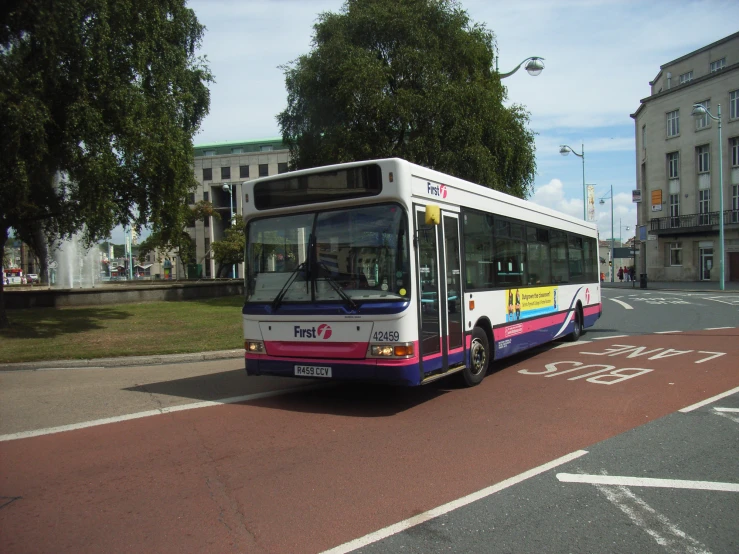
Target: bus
[(387, 271)]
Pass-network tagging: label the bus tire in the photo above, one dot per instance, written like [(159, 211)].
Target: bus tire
[(475, 372), (577, 331)]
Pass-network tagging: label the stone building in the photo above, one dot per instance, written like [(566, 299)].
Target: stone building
[(679, 165), (220, 170)]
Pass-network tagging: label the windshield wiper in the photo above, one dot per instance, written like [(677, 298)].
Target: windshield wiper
[(283, 291), (334, 285)]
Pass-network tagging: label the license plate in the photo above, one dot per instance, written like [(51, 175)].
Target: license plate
[(312, 371)]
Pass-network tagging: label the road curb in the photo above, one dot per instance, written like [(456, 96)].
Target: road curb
[(124, 361)]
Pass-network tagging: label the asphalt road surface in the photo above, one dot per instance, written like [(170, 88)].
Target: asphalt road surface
[(573, 448)]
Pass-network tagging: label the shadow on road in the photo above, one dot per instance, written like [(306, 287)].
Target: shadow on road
[(313, 396), (347, 399)]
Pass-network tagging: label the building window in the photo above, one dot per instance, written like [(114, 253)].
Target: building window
[(704, 206), (243, 172), (735, 204), (209, 153), (191, 198), (734, 104), (282, 167), (206, 221), (675, 210), (263, 170), (237, 150), (266, 148), (673, 123), (644, 137), (703, 121), (225, 173), (206, 196), (676, 253), (686, 77), (704, 163), (718, 64), (673, 165), (734, 152), (207, 174)]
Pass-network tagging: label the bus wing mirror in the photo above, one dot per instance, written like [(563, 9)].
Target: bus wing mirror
[(433, 215)]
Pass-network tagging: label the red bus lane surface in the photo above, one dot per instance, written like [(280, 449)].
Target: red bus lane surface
[(308, 471)]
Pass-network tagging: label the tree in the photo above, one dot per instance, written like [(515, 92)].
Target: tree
[(99, 101), (411, 79), (230, 250), (179, 240)]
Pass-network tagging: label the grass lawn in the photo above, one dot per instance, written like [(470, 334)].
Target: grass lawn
[(122, 330)]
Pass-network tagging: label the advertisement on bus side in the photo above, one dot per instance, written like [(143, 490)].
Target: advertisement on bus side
[(530, 302)]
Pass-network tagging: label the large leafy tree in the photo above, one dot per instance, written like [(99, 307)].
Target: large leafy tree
[(412, 79), (99, 101)]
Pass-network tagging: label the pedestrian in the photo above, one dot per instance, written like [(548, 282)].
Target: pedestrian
[(621, 274), (632, 271)]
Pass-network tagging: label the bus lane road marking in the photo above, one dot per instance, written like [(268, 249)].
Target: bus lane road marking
[(608, 372)]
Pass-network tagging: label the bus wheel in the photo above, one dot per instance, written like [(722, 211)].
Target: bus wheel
[(479, 359), (577, 331)]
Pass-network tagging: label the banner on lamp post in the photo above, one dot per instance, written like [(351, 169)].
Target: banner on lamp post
[(591, 202)]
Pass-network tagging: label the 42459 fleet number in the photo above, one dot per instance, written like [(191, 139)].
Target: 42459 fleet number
[(386, 336)]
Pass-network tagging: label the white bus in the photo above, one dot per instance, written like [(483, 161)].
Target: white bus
[(391, 272)]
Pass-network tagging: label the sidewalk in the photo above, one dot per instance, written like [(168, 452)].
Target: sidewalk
[(685, 286)]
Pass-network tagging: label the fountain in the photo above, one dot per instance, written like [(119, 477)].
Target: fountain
[(74, 266)]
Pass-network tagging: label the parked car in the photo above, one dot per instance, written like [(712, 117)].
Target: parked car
[(32, 278)]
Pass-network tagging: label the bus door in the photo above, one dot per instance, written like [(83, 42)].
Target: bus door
[(440, 293)]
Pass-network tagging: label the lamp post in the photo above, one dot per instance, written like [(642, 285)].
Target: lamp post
[(564, 150), (227, 188), (700, 110), (534, 67), (603, 201)]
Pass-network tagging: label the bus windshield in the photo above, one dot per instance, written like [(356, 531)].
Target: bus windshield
[(347, 256)]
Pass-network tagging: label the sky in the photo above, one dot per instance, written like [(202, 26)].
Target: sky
[(599, 57)]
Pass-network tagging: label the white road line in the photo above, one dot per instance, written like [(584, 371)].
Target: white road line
[(453, 505), (621, 481), (149, 413), (666, 332), (709, 401), (610, 337), (624, 304), (727, 409), (717, 328), (568, 344), (665, 533)]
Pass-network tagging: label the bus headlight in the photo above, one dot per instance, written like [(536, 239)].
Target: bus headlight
[(254, 346), (401, 350)]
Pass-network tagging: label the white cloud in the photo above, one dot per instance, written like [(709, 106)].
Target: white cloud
[(552, 195)]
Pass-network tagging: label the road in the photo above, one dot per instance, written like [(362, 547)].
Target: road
[(573, 448)]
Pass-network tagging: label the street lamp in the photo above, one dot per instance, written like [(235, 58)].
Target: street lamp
[(564, 150), (534, 67), (699, 110), (227, 188), (603, 201), (620, 229)]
